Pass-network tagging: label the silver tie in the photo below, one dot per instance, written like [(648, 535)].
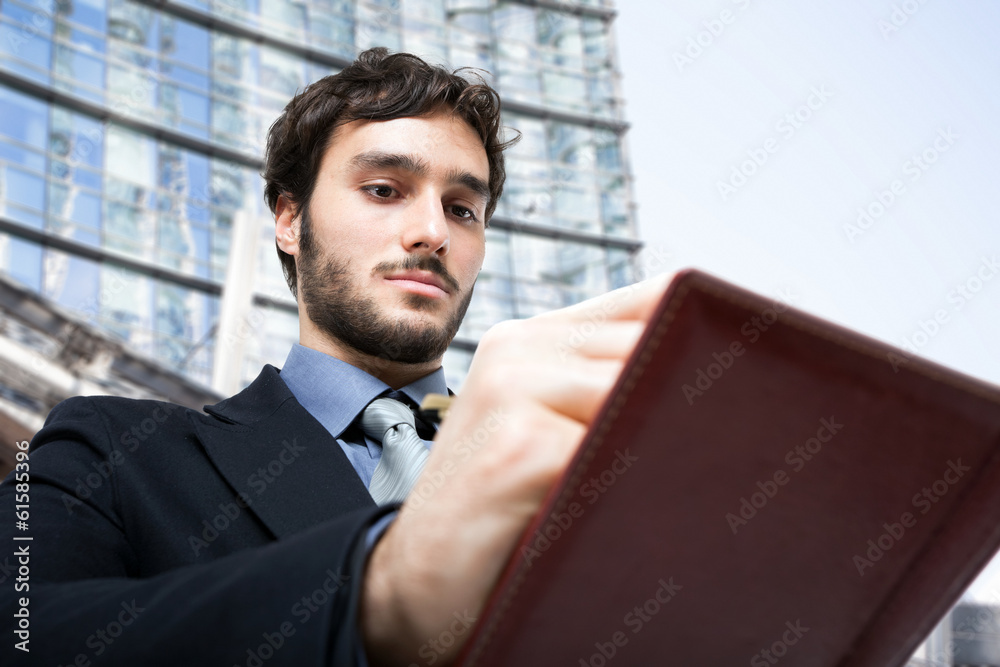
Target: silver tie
[(403, 452)]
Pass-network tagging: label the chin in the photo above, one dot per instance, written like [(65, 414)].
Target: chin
[(420, 306)]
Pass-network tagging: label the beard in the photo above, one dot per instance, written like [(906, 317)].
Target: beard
[(338, 307)]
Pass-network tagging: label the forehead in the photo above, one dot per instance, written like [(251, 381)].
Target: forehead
[(442, 140)]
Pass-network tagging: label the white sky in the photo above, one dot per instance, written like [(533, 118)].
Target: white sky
[(889, 90), (889, 97)]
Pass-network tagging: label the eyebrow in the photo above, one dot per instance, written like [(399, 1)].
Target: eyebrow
[(380, 160), (419, 167), (477, 185)]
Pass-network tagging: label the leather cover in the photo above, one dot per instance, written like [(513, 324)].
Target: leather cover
[(761, 487)]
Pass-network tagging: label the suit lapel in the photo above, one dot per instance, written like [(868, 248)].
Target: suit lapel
[(267, 446)]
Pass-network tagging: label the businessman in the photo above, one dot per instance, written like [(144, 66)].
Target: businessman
[(269, 530)]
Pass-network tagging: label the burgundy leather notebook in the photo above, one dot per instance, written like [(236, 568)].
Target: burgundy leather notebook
[(763, 487)]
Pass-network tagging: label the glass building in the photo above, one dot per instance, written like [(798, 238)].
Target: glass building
[(131, 135), (131, 144)]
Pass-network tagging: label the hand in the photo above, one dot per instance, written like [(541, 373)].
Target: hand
[(532, 391)]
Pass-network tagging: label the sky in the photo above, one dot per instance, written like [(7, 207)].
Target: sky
[(846, 152), (842, 153)]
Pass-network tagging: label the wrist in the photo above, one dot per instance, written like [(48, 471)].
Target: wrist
[(384, 629)]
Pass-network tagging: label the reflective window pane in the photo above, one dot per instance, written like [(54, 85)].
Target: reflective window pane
[(21, 187), (130, 156), (533, 139), (285, 17), (184, 42), (78, 138), (378, 24), (595, 38), (25, 36), (24, 118), (70, 281), (514, 22), (21, 260), (126, 306), (77, 67), (89, 13), (570, 144)]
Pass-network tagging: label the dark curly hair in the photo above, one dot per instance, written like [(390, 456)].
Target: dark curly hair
[(377, 86)]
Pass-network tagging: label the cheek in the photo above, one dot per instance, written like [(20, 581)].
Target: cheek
[(472, 264)]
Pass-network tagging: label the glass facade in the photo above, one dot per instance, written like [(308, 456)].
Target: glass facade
[(133, 133)]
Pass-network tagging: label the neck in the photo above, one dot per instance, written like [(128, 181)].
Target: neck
[(394, 373)]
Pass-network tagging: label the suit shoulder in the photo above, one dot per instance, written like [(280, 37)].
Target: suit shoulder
[(104, 416), (104, 423), (112, 408)]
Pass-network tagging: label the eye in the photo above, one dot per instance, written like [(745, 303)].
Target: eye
[(379, 190), (463, 213)]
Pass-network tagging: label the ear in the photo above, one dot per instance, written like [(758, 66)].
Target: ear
[(286, 226)]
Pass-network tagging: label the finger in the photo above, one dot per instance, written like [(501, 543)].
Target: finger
[(508, 468), (578, 388), (540, 341), (632, 302), (611, 339), (522, 467)]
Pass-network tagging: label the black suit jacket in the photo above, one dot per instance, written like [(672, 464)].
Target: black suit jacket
[(164, 536)]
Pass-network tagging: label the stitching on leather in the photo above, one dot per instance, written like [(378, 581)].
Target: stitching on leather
[(919, 366), (891, 599), (667, 318), (791, 318), (799, 321)]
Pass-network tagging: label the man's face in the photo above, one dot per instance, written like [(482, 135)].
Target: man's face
[(393, 237)]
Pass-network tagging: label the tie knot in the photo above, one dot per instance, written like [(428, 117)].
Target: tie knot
[(383, 414)]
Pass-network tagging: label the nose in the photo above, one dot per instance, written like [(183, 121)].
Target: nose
[(425, 227)]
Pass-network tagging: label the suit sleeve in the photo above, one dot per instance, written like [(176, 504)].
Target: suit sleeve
[(292, 602)]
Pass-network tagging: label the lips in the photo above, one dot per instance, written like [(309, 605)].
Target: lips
[(423, 282)]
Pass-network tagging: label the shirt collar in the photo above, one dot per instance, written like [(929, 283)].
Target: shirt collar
[(335, 392)]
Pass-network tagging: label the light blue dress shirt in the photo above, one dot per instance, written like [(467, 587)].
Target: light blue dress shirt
[(335, 393)]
